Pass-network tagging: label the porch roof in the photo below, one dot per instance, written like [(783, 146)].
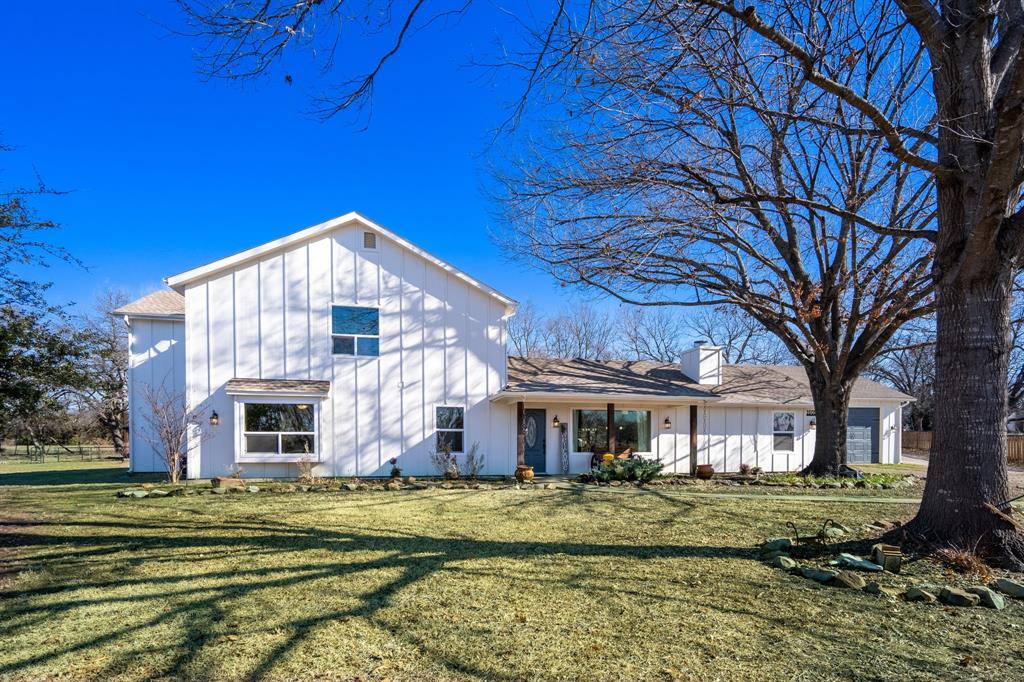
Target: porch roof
[(645, 381), (280, 387)]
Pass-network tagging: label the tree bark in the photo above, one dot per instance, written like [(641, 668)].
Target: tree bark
[(967, 470), (831, 416)]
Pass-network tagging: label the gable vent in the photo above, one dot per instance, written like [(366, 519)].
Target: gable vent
[(369, 240)]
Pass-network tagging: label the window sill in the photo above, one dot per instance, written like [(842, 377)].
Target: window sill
[(256, 458)]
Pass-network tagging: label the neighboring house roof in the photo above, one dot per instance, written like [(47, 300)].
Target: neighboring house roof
[(179, 281), (277, 386), (165, 303), (741, 384)]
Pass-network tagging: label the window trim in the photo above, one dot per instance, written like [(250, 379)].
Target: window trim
[(376, 241), (438, 430), (791, 434), (242, 456), (355, 337)]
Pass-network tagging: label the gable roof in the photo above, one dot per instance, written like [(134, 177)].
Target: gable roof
[(165, 303), (741, 384), (179, 281)]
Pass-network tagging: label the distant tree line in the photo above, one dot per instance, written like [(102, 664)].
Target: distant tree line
[(62, 376), (634, 333)]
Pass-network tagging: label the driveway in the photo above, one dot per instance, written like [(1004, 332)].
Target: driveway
[(1016, 472)]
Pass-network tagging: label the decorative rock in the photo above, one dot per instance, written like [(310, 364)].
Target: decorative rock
[(850, 561), (874, 588), (549, 486), (138, 494), (615, 484), (350, 486), (409, 480), (393, 485), (768, 556), (775, 544), (919, 594), (1010, 588), (219, 491), (820, 575), (957, 597), (848, 579), (834, 533), (252, 489), (227, 482), (988, 597), (177, 492), (784, 562), (158, 493)]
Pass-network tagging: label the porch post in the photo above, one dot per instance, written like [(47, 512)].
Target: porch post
[(520, 433), (613, 445)]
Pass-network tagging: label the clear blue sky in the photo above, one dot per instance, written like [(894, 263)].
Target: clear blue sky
[(168, 171)]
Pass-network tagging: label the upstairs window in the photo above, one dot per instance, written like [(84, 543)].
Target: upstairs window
[(369, 240), (355, 331)]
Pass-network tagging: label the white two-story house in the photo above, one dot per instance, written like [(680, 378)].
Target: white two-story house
[(346, 345)]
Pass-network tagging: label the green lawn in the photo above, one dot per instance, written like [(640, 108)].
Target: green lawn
[(450, 584)]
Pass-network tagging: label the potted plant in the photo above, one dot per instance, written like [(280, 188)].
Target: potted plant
[(395, 471), (524, 473), (705, 471)]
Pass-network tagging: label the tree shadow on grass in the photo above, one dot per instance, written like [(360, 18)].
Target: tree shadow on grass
[(411, 559), (59, 477)]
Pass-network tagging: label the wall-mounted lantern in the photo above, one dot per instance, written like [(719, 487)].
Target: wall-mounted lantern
[(812, 424), (555, 423), (214, 419), (667, 423)]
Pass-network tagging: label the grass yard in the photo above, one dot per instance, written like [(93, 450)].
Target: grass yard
[(451, 584)]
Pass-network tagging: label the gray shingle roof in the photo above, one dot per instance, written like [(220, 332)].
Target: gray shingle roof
[(282, 386), (741, 384), (165, 303), (550, 375)]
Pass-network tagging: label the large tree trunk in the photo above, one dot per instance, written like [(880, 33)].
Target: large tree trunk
[(831, 416), (967, 471)]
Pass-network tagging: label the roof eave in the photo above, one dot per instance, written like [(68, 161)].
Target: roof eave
[(571, 396)]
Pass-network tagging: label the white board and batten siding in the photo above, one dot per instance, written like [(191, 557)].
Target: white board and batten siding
[(156, 363), (731, 436), (441, 343)]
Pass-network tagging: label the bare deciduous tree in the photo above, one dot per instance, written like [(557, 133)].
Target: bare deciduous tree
[(103, 390), (908, 365), (583, 331), (742, 339), (173, 428), (526, 332)]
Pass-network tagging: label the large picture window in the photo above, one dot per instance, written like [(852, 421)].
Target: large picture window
[(355, 330), (632, 430), (783, 431), (450, 423), (279, 428)]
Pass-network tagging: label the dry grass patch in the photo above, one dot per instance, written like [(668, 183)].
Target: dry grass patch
[(459, 584)]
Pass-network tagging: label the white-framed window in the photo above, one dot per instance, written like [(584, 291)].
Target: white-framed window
[(783, 431), (355, 330), (450, 425), (279, 429)]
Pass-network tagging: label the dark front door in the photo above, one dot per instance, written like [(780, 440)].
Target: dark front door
[(862, 436), (536, 441)]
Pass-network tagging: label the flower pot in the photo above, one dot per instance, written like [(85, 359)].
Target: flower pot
[(524, 473), (705, 471)]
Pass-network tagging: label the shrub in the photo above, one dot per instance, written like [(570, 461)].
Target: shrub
[(635, 469), (474, 461), (445, 462)]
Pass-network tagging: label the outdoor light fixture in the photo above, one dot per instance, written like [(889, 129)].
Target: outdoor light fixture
[(668, 423), (214, 419), (555, 423), (812, 424)]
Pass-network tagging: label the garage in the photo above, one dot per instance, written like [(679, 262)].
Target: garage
[(862, 436)]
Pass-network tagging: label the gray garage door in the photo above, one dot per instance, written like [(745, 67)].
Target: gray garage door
[(862, 436)]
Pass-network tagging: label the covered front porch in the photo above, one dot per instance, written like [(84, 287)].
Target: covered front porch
[(558, 435)]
